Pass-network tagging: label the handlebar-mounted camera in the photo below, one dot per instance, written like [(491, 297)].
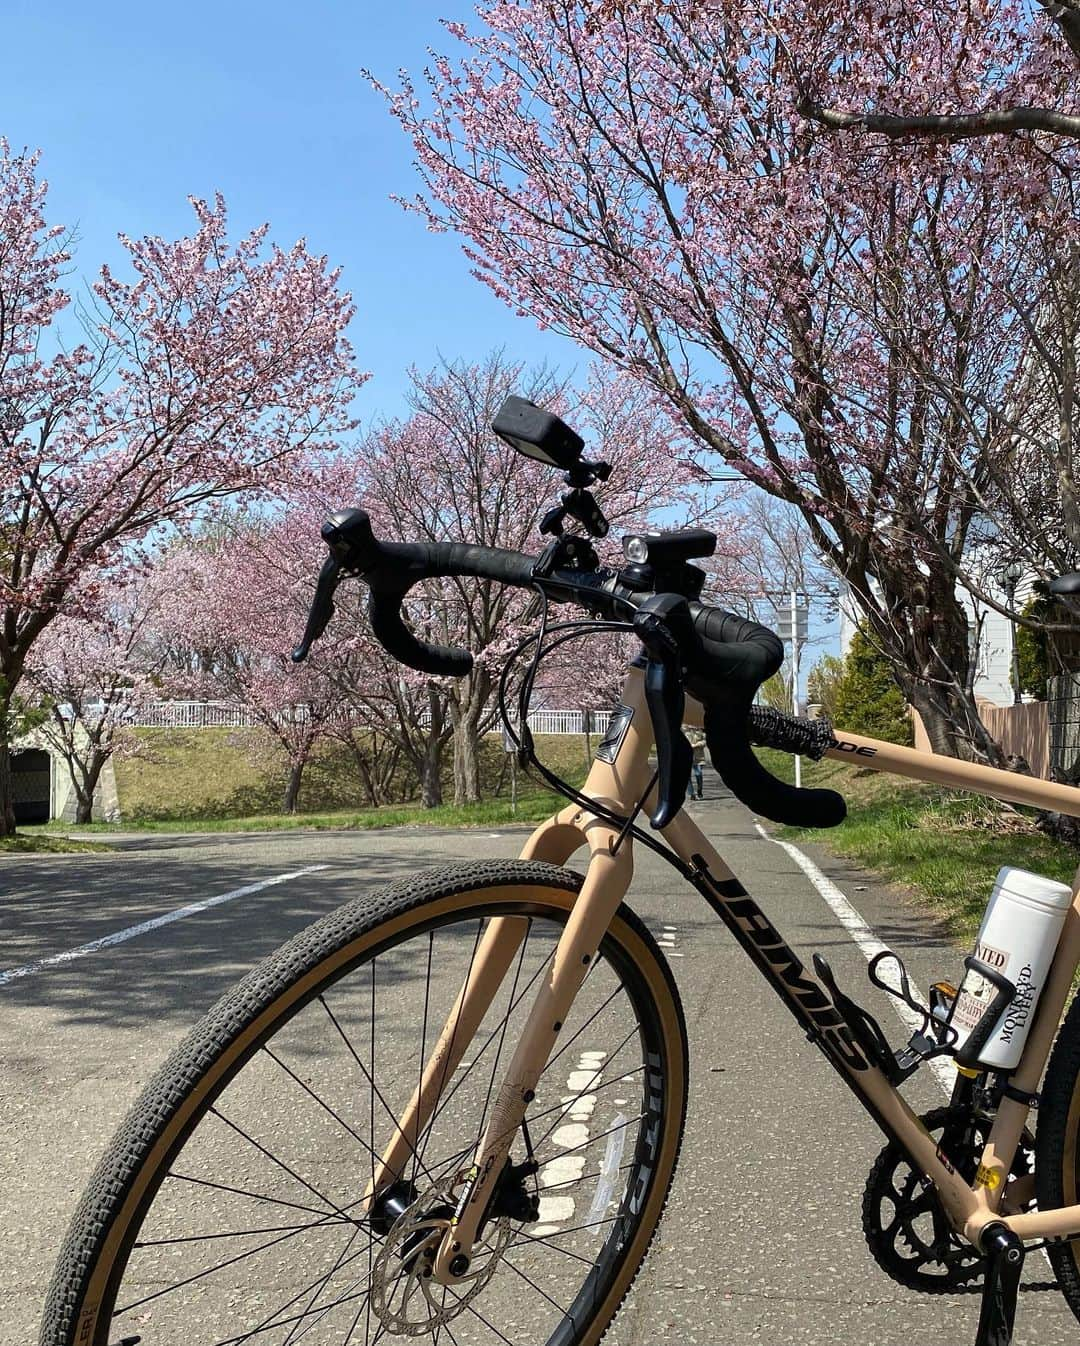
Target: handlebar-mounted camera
[(542, 436)]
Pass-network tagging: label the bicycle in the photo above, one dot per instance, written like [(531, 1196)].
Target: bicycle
[(444, 1180)]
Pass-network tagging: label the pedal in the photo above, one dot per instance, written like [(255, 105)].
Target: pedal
[(1004, 1266)]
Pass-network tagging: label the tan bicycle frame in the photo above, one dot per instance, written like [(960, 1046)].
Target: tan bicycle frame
[(619, 784)]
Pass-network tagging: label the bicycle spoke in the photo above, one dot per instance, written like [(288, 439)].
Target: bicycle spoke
[(572, 1229), (325, 1281), (207, 1271), (370, 1260), (374, 1087), (490, 1326), (274, 1159), (594, 1079), (517, 1271), (564, 1107), (502, 1035), (524, 1240), (591, 1019), (573, 1182), (243, 1233), (325, 1106), (240, 1191), (270, 1326), (423, 1034), (573, 1149), (453, 1039)]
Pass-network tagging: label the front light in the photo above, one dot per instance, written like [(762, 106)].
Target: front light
[(636, 549)]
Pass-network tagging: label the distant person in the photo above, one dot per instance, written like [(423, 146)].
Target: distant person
[(696, 739)]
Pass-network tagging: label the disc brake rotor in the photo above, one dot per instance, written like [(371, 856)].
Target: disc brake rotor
[(405, 1296)]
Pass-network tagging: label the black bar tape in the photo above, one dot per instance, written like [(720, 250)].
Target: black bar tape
[(729, 747), (771, 728), (736, 657), (401, 565)]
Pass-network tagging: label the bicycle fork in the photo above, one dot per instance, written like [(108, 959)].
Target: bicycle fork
[(605, 884)]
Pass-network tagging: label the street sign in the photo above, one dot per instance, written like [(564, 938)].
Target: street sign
[(783, 624)]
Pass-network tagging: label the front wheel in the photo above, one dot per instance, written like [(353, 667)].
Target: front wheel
[(230, 1206)]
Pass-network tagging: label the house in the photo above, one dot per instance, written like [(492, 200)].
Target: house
[(991, 632)]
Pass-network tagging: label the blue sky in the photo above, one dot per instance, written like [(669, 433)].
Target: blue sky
[(137, 106)]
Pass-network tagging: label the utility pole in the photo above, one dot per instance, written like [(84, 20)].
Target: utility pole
[(792, 627), (795, 676)]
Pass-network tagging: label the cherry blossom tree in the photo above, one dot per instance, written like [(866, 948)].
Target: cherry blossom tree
[(231, 611), (199, 377), (91, 672), (925, 69), (930, 70), (441, 474), (648, 184)]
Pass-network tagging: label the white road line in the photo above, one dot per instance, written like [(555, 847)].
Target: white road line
[(120, 936), (865, 938), (869, 943)]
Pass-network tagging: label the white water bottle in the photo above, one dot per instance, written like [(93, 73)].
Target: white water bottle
[(1017, 938)]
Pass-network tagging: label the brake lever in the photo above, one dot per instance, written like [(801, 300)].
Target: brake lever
[(656, 626), (322, 607)]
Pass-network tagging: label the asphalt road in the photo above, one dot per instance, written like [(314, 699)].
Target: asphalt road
[(762, 1238)]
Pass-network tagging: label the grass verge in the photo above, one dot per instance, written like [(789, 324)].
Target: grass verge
[(43, 843), (531, 807), (943, 847), (221, 779)]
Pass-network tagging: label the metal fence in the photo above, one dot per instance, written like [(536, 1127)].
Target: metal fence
[(1063, 713), (222, 715)]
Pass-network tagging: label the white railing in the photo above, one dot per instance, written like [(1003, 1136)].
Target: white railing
[(192, 715), (222, 715)]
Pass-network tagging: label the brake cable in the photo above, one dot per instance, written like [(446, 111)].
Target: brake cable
[(525, 744)]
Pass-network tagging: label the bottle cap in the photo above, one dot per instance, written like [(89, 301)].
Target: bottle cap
[(1034, 887)]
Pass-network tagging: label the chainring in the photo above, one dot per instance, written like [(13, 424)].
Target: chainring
[(905, 1225)]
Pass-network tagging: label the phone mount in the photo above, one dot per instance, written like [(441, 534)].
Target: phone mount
[(579, 502), (542, 436)]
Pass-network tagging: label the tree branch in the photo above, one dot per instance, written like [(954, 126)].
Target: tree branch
[(949, 126)]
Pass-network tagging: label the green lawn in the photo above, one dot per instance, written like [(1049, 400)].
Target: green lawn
[(943, 846), (221, 778), (38, 841), (533, 806)]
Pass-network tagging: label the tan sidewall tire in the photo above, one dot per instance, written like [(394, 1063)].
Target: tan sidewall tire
[(96, 1248), (1057, 1148)]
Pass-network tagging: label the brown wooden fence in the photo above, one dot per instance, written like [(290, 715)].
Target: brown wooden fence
[(1022, 730)]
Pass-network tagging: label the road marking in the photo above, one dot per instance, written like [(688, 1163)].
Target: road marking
[(573, 1135), (867, 941), (106, 941)]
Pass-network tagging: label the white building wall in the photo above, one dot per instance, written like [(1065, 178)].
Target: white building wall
[(993, 657)]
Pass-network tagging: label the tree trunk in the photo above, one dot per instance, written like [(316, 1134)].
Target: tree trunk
[(430, 767), (292, 790), (86, 784), (952, 723), (465, 713), (84, 805), (466, 761), (7, 800)]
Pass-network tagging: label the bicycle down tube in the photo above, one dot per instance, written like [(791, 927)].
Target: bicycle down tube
[(620, 784)]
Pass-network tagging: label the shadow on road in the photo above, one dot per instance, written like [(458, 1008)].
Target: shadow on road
[(179, 969)]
